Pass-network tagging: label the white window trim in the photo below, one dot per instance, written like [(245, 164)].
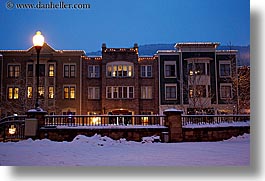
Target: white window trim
[(170, 63), (171, 85), (93, 73), (226, 84), (112, 92), (119, 63), (13, 64), (69, 64), (145, 88), (94, 93), (146, 72), (69, 86), (223, 62)]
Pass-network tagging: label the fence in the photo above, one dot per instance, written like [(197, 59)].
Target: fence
[(12, 128), (213, 119), (103, 120)]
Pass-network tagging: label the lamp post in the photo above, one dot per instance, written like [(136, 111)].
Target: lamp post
[(38, 41)]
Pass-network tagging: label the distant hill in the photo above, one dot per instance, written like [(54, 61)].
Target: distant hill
[(151, 49)]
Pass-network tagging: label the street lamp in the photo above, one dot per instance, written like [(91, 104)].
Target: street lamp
[(38, 41)]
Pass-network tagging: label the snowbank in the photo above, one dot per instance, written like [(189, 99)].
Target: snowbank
[(104, 151)]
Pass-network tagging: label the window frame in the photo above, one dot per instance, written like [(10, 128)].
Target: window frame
[(120, 69), (170, 63), (113, 92), (70, 73), (95, 73), (145, 72), (231, 90), (14, 94), (13, 73), (95, 94), (171, 85), (146, 92), (225, 62), (69, 93), (51, 72)]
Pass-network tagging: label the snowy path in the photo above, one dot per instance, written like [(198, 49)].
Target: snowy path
[(103, 151)]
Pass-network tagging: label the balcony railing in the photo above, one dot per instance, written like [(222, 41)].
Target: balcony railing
[(213, 119), (104, 120)]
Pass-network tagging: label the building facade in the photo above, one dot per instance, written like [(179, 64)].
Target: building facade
[(196, 77), (118, 82)]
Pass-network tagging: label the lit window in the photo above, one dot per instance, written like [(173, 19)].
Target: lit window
[(51, 70), (41, 92), (119, 69), (66, 92), (13, 93), (51, 92), (197, 69), (30, 94), (197, 91), (69, 92), (72, 92)]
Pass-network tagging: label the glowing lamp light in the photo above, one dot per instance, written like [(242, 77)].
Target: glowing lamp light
[(38, 39), (95, 120), (12, 130)]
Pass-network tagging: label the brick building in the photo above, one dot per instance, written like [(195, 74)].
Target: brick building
[(118, 82), (196, 77), (60, 85)]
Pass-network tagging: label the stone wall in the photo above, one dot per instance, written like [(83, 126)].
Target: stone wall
[(136, 134), (132, 134), (212, 134)]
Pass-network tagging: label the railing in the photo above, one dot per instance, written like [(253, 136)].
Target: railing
[(213, 119), (12, 128), (103, 120)]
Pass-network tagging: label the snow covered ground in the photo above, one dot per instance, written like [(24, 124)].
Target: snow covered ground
[(103, 151)]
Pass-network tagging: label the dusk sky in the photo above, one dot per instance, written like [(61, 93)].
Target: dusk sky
[(121, 23)]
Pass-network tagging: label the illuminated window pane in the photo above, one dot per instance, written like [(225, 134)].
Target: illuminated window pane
[(51, 70), (51, 92), (72, 92), (16, 90), (29, 94), (10, 93), (130, 73), (41, 92), (66, 92), (109, 70)]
